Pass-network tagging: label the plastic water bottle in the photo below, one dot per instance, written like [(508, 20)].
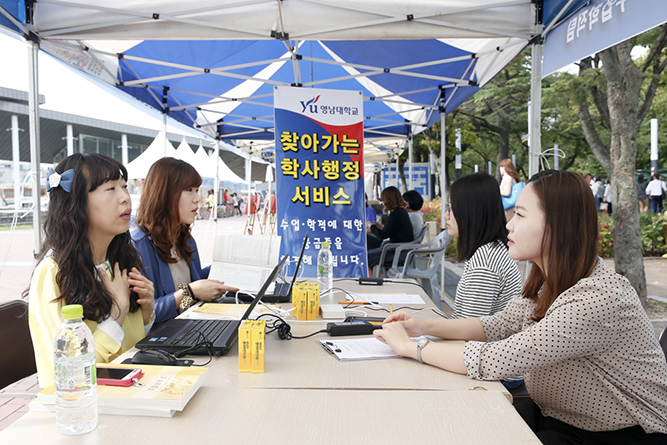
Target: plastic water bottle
[(75, 374), (325, 272)]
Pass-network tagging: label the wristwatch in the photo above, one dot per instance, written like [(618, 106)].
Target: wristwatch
[(421, 344)]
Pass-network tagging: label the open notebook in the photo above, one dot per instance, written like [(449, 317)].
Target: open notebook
[(244, 261)]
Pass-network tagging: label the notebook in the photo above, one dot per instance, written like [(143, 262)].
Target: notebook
[(179, 335), (282, 292)]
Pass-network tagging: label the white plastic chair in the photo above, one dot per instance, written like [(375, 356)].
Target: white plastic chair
[(430, 255), (379, 269)]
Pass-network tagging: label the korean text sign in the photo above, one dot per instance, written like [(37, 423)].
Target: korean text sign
[(320, 177)]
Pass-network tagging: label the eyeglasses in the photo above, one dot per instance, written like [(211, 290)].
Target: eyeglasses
[(448, 208)]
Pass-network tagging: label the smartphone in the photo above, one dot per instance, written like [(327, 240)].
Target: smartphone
[(118, 376)]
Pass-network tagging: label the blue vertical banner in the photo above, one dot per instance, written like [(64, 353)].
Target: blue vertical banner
[(320, 177)]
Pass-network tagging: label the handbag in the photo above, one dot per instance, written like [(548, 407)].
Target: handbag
[(510, 201)]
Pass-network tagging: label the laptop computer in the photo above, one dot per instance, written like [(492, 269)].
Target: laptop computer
[(181, 335), (282, 292)]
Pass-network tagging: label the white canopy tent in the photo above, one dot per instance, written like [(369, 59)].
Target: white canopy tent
[(91, 35), (159, 148)]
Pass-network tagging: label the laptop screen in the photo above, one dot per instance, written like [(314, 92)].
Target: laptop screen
[(298, 264), (272, 277)]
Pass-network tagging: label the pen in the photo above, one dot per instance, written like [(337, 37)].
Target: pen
[(391, 309), (354, 302)]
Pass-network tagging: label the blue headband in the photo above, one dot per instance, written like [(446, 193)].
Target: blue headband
[(55, 179)]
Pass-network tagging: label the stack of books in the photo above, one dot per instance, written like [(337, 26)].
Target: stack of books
[(163, 391)]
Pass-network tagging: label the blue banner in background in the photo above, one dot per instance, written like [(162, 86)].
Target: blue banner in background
[(320, 177), (598, 26)]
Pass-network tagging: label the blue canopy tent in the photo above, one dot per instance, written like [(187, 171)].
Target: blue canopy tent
[(213, 65)]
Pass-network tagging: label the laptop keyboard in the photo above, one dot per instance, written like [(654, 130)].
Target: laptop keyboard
[(209, 329)]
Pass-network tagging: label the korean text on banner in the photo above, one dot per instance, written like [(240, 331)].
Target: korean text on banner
[(319, 177)]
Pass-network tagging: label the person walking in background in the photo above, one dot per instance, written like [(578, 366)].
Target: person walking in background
[(607, 195), (509, 178), (414, 203), (655, 190), (598, 191), (642, 197)]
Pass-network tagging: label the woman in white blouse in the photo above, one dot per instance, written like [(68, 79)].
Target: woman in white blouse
[(578, 333)]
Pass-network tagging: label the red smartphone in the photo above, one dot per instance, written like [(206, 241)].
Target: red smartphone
[(118, 376)]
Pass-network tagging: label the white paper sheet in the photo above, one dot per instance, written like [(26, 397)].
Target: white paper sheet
[(388, 298), (366, 348)]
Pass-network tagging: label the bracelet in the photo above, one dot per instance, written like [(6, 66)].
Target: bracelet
[(150, 320), (187, 300)]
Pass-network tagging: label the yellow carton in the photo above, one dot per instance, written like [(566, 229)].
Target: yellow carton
[(300, 300), (258, 337), (245, 346), (313, 306)]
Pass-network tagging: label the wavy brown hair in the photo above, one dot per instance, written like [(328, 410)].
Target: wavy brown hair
[(392, 198), (66, 232), (510, 169), (158, 213), (570, 237)]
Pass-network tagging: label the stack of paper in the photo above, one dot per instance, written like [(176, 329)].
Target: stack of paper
[(165, 390)]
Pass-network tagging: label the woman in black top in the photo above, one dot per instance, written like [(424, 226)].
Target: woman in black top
[(398, 228)]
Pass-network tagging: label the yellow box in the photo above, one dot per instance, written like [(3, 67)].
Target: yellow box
[(300, 301), (258, 337), (245, 346), (313, 306)]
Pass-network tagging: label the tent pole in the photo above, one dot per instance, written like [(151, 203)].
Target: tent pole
[(16, 160), (216, 183), (444, 192), (535, 118), (164, 127), (33, 107), (411, 181)]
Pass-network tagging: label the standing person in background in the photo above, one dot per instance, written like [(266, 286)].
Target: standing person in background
[(593, 366), (162, 237), (509, 177), (607, 195), (87, 258), (598, 191), (235, 202), (414, 203), (655, 190), (642, 197)]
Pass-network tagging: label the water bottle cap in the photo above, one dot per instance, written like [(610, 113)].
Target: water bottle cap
[(325, 244), (72, 311)]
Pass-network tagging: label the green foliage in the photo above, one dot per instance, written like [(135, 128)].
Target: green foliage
[(653, 235)]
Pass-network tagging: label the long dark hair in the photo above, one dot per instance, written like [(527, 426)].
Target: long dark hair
[(158, 214), (570, 236), (66, 232), (478, 210)]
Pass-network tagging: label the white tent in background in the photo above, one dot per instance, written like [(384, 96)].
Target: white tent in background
[(185, 153), (138, 169), (204, 160)]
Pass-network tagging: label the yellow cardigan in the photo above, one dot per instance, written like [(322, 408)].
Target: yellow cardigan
[(45, 320)]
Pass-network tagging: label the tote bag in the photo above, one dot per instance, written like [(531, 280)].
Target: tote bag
[(510, 201)]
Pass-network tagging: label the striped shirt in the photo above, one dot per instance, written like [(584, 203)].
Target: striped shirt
[(490, 279)]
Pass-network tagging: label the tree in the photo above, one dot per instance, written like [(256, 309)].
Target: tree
[(622, 93)]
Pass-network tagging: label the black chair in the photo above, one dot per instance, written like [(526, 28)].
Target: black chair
[(17, 359)]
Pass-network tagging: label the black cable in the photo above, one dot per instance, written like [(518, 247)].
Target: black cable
[(203, 342), (283, 328)]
